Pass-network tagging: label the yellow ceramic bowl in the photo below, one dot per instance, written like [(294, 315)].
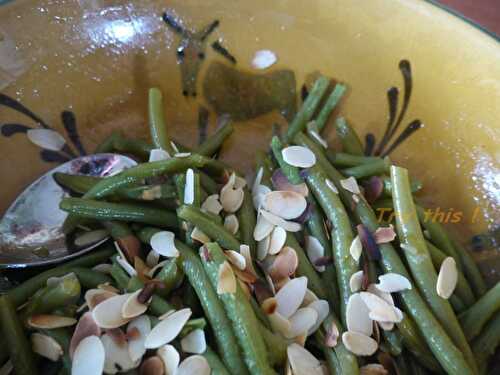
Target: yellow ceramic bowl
[(97, 59)]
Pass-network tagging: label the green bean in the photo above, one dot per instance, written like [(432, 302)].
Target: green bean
[(21, 293), (158, 305), (157, 125), (342, 159), (239, 311), (207, 183), (215, 363), (136, 147), (191, 325), (457, 304), (419, 261), (212, 229), (99, 210), (348, 137), (440, 344), (488, 340), (347, 361), (106, 146), (415, 185), (291, 172), (126, 239), (214, 311), (276, 346), (462, 290), (478, 314), (79, 184), (4, 355), (394, 341), (308, 108), (247, 221), (18, 345), (259, 313), (119, 276), (63, 338), (145, 234), (342, 235), (90, 279), (213, 143), (262, 160), (329, 106), (170, 275), (332, 362), (369, 169)]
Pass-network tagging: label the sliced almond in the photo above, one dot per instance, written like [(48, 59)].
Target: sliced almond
[(107, 287), (189, 187), (198, 235), (166, 315), (86, 327), (132, 307), (89, 347), (289, 226), (301, 339), (231, 223), (447, 278), (91, 237), (46, 138), (117, 358), (315, 251), (45, 321), (182, 154), (259, 194), (152, 258), (387, 297), (393, 282), (269, 305), (332, 335), (285, 204), (350, 184), (195, 364), (263, 228), (263, 247), (279, 323), (331, 186), (298, 156), (356, 281), (291, 295), (285, 264), (245, 276), (164, 244), (384, 234), (258, 179), (168, 329), (108, 314), (152, 366), (170, 357), (136, 348), (212, 204), (127, 267), (356, 248), (226, 282), (231, 199), (158, 154), (263, 59), (357, 315), (301, 321), (373, 369), (386, 326), (359, 344), (280, 182), (194, 342), (323, 309), (309, 298), (46, 346), (380, 310), (313, 131), (151, 273), (277, 241), (245, 252), (236, 259), (103, 268), (302, 361), (239, 182)]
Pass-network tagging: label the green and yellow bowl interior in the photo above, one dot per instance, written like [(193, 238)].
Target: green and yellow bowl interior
[(98, 59)]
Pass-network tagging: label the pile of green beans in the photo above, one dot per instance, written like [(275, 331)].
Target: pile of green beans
[(434, 335)]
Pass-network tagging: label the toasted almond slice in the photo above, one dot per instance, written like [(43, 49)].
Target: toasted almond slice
[(309, 298), (323, 309), (107, 287), (92, 237), (356, 248), (226, 282), (357, 315), (291, 295), (117, 357), (182, 154), (108, 314), (298, 156), (315, 251), (269, 305), (245, 252), (332, 335), (359, 344), (168, 329), (141, 268), (93, 297), (301, 339), (189, 187), (301, 321), (373, 369), (258, 179), (163, 243), (45, 321), (170, 357), (212, 204), (384, 234), (236, 259), (231, 223), (89, 348), (263, 247), (152, 258), (380, 310), (263, 59), (302, 361), (132, 307), (312, 130), (198, 235), (244, 276), (158, 154), (356, 281), (230, 198), (46, 138), (195, 364), (386, 326), (447, 278), (350, 184), (239, 182), (279, 323), (393, 282), (174, 147), (103, 268), (151, 273), (86, 327), (285, 204), (136, 348), (259, 194), (152, 366), (289, 226), (263, 228), (285, 264), (244, 287), (46, 346), (278, 238), (331, 186), (194, 342)]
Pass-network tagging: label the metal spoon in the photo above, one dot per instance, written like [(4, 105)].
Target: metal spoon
[(31, 229)]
